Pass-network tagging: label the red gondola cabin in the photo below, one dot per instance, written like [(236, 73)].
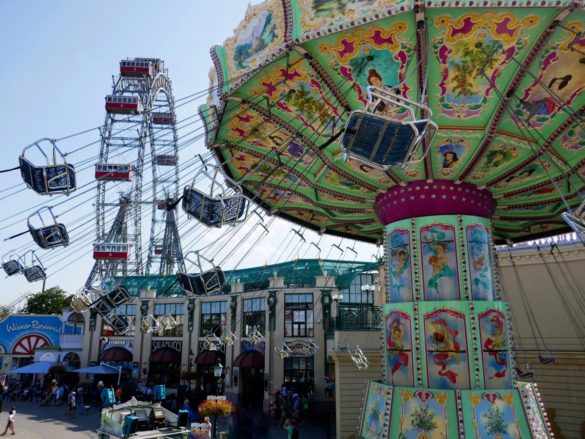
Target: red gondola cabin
[(111, 251), (120, 104), (112, 172), (165, 160), (133, 67), (163, 118)]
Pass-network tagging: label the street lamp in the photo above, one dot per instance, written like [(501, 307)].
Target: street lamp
[(217, 371)]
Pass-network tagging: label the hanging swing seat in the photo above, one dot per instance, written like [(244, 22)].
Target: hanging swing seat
[(55, 177), (376, 137), (547, 358), (108, 302), (119, 324), (50, 233), (34, 273), (209, 280), (576, 218), (33, 268), (11, 264), (218, 207), (80, 303)]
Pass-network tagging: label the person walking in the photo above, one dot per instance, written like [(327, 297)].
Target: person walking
[(71, 405), (10, 423)]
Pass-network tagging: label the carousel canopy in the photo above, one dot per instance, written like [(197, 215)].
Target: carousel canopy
[(503, 79)]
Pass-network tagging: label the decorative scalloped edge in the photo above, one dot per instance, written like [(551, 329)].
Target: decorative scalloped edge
[(210, 123), (497, 3)]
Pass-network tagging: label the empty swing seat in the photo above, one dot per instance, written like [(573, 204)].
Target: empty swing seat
[(34, 273), (379, 141), (387, 131), (47, 180), (108, 302), (209, 282), (213, 211), (50, 236), (119, 296), (119, 324), (12, 267)]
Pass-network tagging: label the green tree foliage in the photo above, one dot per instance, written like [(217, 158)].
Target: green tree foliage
[(51, 301)]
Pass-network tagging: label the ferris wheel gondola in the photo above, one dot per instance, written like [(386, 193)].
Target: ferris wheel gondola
[(56, 176)]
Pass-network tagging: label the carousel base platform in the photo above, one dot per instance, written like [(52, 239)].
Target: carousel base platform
[(415, 413)]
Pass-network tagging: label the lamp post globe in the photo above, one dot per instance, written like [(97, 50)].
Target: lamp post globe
[(217, 369)]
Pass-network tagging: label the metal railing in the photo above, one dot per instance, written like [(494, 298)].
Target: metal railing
[(355, 317)]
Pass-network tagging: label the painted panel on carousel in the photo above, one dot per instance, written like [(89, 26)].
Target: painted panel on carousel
[(376, 409), (314, 18), (439, 262), (495, 352), (491, 414), (258, 36), (503, 153), (373, 55), (423, 414), (400, 264), (446, 346), (553, 90), (452, 151), (399, 340), (479, 262), (295, 93), (473, 52), (538, 171)]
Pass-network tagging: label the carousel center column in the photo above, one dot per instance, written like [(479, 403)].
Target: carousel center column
[(448, 369)]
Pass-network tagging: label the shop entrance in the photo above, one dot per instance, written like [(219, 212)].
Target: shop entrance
[(252, 390)]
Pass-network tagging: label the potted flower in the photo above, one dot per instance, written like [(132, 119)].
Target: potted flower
[(215, 408)]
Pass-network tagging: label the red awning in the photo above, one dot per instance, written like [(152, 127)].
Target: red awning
[(250, 359), (208, 358), (165, 355), (116, 354)]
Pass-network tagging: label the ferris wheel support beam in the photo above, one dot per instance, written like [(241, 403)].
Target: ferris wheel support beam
[(140, 114)]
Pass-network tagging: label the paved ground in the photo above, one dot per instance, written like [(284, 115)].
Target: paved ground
[(35, 422)]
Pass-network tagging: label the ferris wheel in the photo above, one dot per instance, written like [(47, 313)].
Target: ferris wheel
[(139, 131)]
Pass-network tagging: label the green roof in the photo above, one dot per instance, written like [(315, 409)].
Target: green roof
[(299, 273)]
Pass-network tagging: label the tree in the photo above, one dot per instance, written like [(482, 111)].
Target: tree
[(50, 301)]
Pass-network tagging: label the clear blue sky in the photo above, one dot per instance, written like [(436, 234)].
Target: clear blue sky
[(58, 58)]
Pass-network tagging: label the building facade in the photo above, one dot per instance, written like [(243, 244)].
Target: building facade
[(271, 327), (28, 338)]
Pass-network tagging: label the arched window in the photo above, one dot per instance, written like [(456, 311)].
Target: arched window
[(75, 324)]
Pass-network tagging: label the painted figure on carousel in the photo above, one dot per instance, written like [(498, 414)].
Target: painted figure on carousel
[(397, 357), (446, 348)]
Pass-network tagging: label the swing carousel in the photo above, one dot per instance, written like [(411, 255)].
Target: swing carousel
[(439, 129)]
